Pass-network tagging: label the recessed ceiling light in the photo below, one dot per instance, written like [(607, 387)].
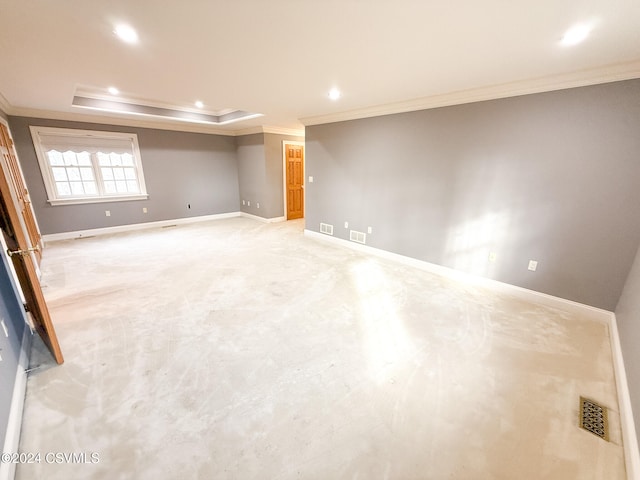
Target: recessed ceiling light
[(334, 94), (199, 104), (113, 91), (575, 35), (126, 34)]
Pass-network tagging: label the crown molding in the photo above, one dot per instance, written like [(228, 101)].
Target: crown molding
[(144, 123), (248, 131), (115, 120), (295, 132), (5, 106), (171, 114), (126, 98), (581, 78), (606, 74)]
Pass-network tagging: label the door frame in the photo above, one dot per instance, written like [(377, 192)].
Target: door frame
[(14, 274), (14, 195), (25, 267), (284, 176)]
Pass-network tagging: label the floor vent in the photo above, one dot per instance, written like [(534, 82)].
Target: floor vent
[(326, 229), (593, 418), (358, 237)]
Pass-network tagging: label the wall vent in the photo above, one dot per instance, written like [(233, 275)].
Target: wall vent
[(593, 418), (358, 237), (326, 229)]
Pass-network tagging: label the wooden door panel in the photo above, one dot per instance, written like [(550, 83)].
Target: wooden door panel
[(24, 202), (19, 241), (297, 200), (295, 181)]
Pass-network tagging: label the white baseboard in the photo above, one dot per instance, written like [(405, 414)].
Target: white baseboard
[(629, 439), (262, 219), (12, 438), (52, 237), (519, 292)]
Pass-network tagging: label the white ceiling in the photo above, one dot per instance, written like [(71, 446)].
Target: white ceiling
[(281, 57)]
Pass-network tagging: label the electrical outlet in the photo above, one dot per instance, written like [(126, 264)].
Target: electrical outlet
[(533, 265), (492, 256), (144, 209), (107, 213), (248, 203), (369, 230), (346, 224), (243, 202)]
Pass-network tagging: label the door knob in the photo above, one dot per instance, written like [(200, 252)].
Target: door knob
[(23, 253)]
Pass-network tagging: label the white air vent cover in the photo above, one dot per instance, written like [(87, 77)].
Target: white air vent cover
[(359, 237), (326, 228)]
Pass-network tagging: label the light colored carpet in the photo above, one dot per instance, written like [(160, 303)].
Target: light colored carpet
[(240, 350)]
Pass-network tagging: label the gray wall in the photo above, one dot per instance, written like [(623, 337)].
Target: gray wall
[(260, 171), (628, 318), (551, 177), (251, 173), (180, 169)]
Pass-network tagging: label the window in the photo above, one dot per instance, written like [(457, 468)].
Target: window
[(81, 166)]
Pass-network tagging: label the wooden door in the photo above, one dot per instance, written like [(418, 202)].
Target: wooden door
[(13, 227), (20, 188), (294, 160)]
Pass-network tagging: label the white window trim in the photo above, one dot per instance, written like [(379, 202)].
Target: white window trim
[(49, 183)]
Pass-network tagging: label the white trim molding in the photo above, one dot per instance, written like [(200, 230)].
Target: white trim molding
[(582, 78), (587, 311), (14, 426), (157, 124), (262, 219), (93, 232), (120, 120), (94, 142), (76, 201), (629, 439), (294, 132), (5, 106)]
